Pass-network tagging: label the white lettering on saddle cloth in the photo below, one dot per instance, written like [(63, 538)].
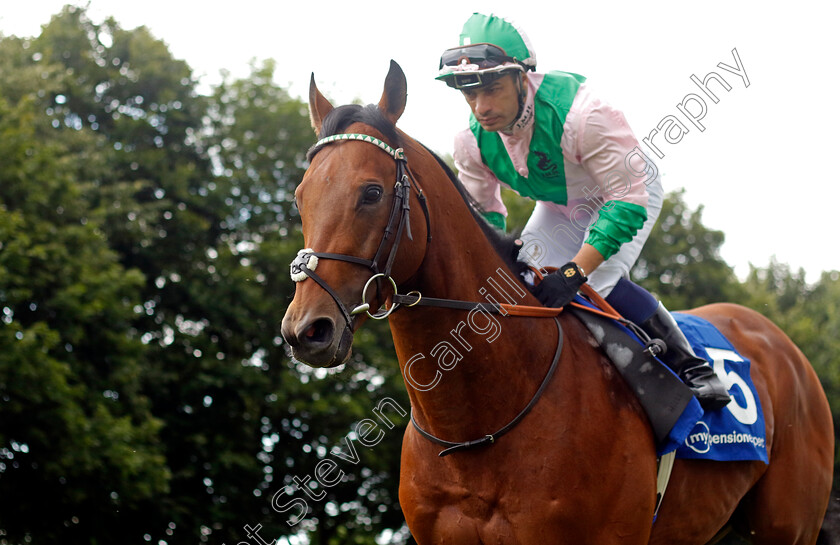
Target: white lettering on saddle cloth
[(700, 440)]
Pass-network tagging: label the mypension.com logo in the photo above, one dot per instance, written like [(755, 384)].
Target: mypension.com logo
[(701, 439)]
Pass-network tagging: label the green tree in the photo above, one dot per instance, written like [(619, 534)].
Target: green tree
[(78, 443), (810, 315), (681, 263), (519, 210), (193, 197), (258, 136)]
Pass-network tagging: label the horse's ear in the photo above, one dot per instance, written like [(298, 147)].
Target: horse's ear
[(319, 106), (392, 103)]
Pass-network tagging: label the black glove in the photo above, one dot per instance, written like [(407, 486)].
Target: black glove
[(560, 287)]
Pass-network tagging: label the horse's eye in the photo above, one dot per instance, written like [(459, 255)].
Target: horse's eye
[(372, 194)]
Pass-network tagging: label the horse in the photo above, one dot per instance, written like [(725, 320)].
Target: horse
[(577, 462)]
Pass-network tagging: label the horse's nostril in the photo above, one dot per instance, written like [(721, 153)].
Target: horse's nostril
[(320, 331)]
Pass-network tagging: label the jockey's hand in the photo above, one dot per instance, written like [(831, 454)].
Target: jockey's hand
[(560, 287)]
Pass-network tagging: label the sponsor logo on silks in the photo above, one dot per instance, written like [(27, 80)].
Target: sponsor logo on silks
[(546, 165), (701, 440)]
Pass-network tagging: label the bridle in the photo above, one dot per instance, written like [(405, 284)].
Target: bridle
[(303, 266)]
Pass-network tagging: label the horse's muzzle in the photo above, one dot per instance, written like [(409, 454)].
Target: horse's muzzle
[(316, 341)]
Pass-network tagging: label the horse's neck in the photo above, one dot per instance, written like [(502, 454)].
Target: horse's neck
[(462, 369)]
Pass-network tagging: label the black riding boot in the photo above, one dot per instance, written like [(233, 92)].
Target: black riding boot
[(693, 370)]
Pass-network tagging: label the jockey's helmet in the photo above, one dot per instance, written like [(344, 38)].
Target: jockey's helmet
[(490, 47)]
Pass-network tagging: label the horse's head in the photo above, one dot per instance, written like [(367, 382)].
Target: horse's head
[(354, 203)]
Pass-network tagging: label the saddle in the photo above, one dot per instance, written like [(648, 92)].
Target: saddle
[(668, 403)]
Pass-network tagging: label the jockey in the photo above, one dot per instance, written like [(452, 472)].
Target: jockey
[(551, 138)]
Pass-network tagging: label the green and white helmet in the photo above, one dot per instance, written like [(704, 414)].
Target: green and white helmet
[(490, 46)]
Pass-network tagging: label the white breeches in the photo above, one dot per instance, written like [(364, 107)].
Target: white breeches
[(552, 239)]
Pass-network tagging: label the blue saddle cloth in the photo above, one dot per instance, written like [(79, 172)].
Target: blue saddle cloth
[(736, 432)]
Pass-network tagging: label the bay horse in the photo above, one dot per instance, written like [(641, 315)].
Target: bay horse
[(580, 466)]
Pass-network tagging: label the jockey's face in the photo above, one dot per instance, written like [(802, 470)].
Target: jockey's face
[(495, 105)]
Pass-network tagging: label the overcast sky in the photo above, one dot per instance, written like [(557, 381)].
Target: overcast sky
[(763, 167)]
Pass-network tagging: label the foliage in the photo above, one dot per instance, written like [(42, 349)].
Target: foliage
[(810, 315), (680, 263), (145, 236), (78, 443), (519, 210), (258, 137)]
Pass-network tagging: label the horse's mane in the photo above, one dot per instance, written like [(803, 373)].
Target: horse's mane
[(506, 245), (343, 116)]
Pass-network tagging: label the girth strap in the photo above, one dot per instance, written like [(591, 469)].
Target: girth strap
[(664, 468)]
